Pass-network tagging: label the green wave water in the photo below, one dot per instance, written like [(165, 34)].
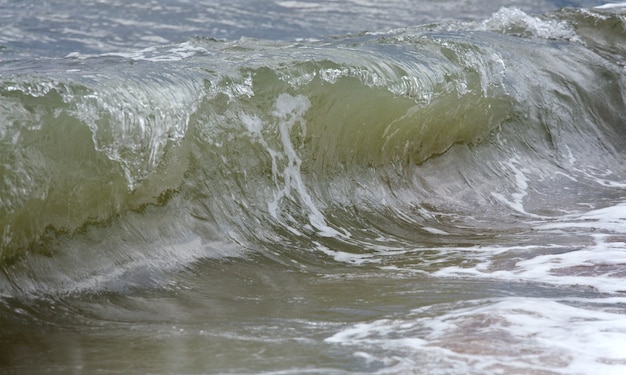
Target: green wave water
[(259, 138)]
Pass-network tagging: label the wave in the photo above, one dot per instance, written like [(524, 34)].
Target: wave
[(422, 136)]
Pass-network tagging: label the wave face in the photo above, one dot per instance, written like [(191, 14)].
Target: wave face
[(399, 137), (466, 150)]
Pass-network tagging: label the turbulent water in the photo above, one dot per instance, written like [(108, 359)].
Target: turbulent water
[(336, 187)]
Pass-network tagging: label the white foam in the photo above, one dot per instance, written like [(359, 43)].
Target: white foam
[(602, 178), (610, 219), (516, 201), (289, 111), (517, 21), (298, 4), (435, 231), (508, 335), (611, 6), (345, 257), (176, 52), (597, 260)]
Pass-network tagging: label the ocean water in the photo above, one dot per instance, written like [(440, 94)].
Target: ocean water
[(312, 187)]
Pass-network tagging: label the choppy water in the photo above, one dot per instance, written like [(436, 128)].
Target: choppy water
[(333, 187)]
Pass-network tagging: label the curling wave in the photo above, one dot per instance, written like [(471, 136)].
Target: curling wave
[(424, 136)]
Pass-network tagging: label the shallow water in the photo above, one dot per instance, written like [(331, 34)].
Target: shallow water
[(312, 187)]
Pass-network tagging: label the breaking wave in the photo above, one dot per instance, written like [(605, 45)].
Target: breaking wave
[(353, 148)]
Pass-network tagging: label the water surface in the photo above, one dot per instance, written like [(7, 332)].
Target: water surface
[(292, 187)]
